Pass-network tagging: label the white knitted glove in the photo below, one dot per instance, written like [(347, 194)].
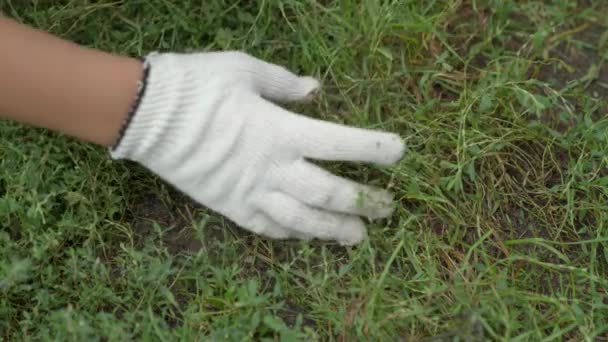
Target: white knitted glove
[(205, 124)]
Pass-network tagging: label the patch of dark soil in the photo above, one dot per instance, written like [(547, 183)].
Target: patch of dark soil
[(575, 68), (289, 312), (437, 224), (2, 187), (580, 56), (572, 65), (467, 27), (178, 234), (442, 93)]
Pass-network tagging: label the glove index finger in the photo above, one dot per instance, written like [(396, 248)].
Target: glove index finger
[(324, 140), (277, 83)]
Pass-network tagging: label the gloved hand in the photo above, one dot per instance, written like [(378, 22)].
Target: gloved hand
[(205, 124)]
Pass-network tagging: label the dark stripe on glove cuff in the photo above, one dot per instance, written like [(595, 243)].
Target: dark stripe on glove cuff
[(141, 90)]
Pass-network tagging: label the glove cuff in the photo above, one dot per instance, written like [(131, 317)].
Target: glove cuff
[(157, 97), (141, 91)]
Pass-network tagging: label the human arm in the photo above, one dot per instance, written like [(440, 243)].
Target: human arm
[(56, 84), (207, 123)]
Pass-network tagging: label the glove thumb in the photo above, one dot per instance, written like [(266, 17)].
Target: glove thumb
[(276, 83)]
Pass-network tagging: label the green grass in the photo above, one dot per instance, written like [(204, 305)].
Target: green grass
[(502, 228)]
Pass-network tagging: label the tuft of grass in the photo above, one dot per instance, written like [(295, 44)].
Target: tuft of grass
[(501, 228)]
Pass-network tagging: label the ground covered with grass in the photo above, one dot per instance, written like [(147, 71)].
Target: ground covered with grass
[(502, 227)]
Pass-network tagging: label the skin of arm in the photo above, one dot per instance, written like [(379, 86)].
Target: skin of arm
[(55, 84)]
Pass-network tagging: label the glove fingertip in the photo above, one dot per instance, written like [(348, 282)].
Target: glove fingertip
[(392, 149), (308, 88), (357, 233)]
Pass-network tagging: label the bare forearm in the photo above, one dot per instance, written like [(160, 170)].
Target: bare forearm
[(52, 83)]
